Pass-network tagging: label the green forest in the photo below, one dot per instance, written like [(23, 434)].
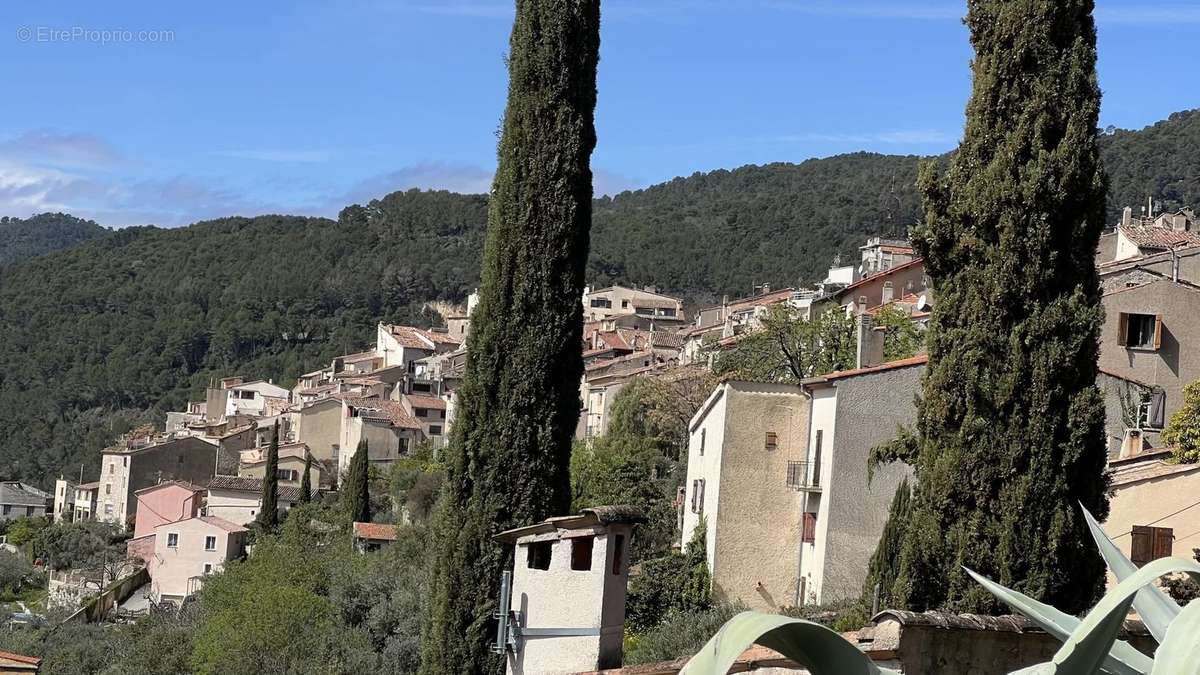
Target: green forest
[(118, 326)]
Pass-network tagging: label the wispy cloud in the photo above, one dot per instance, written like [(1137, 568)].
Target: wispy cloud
[(48, 147), (279, 155)]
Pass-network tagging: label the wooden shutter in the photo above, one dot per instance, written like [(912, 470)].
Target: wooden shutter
[(1141, 550), (1163, 536), (1123, 329), (1158, 331), (700, 501), (772, 441), (809, 535)]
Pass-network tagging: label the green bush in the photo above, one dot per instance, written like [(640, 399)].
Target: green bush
[(1182, 432), (680, 633)]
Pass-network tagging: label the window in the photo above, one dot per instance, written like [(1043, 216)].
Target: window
[(668, 311), (420, 412), (210, 543), (703, 433), (208, 568), (124, 461), (618, 553), (7, 509), (108, 509), (603, 302), (108, 488), (435, 430), (772, 441), (809, 535), (624, 304), (112, 468), (180, 460), (1152, 410), (286, 474), (1150, 543), (581, 553), (538, 555), (246, 395), (1139, 331), (172, 540), (698, 495), (29, 511), (441, 414), (422, 387)]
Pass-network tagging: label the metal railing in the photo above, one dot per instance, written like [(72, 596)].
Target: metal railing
[(804, 475)]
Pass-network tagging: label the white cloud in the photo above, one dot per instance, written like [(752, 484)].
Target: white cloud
[(48, 147)]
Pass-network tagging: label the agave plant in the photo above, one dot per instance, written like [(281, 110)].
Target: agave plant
[(1090, 645)]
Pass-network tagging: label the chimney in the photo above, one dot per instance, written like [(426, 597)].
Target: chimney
[(1127, 216), (766, 288), (870, 342), (1131, 445), (1150, 206)]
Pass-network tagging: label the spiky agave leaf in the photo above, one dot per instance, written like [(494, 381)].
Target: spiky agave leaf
[(1155, 607), (1179, 653), (1122, 659), (821, 650)]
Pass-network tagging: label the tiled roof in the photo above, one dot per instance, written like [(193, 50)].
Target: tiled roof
[(884, 274), (20, 658), (665, 339), (88, 486), (223, 524), (919, 360), (613, 340), (772, 298), (360, 356), (15, 493), (237, 483), (1160, 237), (181, 483), (375, 531), (386, 409), (419, 401), (418, 338)]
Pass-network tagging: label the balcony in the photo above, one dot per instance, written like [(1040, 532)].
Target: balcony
[(804, 476)]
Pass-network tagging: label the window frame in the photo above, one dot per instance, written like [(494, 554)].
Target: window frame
[(173, 540), (207, 538)]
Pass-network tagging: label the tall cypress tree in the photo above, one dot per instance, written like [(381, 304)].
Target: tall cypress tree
[(508, 460), (357, 485), (268, 512), (1010, 426), (306, 481)]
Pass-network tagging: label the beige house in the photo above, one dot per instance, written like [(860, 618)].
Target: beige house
[(843, 512), (389, 430), (1149, 337), (239, 500), (883, 287), (320, 428), (743, 443), (404, 345), (86, 495), (64, 500), (290, 472), (614, 301), (187, 551), (430, 413), (1153, 507)]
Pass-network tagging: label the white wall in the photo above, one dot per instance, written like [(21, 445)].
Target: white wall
[(709, 422), (812, 556)]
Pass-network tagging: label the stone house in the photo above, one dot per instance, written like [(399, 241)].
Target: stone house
[(20, 500), (614, 301), (186, 551), (430, 413), (389, 430), (320, 428), (64, 499), (1147, 331), (883, 287), (1153, 507), (372, 536), (290, 472), (843, 511), (744, 443), (140, 463), (86, 497), (404, 345)]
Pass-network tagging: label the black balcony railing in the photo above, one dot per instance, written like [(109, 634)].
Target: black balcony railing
[(804, 475)]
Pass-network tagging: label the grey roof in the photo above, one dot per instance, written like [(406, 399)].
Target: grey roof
[(14, 493), (287, 493)]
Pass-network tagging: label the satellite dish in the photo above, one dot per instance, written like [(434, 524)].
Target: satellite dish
[(922, 304)]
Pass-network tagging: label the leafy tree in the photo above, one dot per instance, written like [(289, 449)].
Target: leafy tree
[(85, 544), (22, 530), (357, 486), (268, 513), (659, 409), (790, 348), (15, 572), (1010, 399), (510, 450), (675, 582), (628, 470), (1182, 432), (306, 481), (901, 337)]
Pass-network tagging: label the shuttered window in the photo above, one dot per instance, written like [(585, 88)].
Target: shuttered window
[(1150, 543), (809, 536), (772, 441)]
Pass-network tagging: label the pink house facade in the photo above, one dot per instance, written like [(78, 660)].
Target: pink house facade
[(165, 503), (187, 551)]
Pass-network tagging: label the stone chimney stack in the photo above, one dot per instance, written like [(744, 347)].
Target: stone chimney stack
[(1127, 216), (870, 342)]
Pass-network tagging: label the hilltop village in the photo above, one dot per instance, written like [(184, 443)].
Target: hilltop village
[(777, 464)]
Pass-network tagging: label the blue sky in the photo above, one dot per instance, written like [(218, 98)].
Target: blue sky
[(221, 108)]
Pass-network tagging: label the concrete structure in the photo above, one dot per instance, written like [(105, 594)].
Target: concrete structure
[(613, 301), (1149, 336), (140, 463), (256, 399), (430, 413), (880, 255), (569, 573), (389, 430), (1153, 507), (238, 500), (20, 500), (852, 411), (403, 345), (86, 496), (883, 287), (290, 471), (1180, 264), (165, 503), (186, 551), (64, 500), (743, 442), (320, 429)]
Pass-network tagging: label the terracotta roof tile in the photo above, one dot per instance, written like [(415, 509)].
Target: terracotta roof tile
[(237, 483), (432, 402), (375, 531), (918, 360), (1160, 237), (386, 409)]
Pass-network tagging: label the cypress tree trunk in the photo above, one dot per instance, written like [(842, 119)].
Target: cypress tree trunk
[(268, 513), (306, 481), (1011, 422), (509, 456)]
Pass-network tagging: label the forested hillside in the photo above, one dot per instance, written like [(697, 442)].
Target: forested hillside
[(22, 238), (122, 327)]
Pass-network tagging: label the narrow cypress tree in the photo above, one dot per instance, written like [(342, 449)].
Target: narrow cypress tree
[(357, 485), (508, 460), (268, 512), (1010, 426), (306, 481)]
